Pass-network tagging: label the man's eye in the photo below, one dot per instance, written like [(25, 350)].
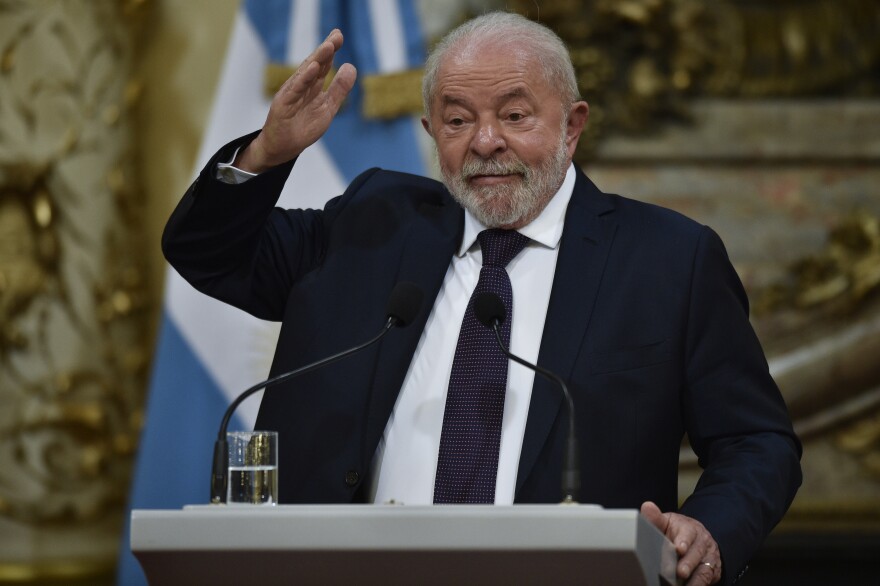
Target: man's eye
[(515, 117), (456, 121)]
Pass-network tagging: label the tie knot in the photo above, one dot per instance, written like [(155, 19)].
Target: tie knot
[(500, 246)]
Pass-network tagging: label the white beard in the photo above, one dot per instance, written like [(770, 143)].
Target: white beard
[(508, 204)]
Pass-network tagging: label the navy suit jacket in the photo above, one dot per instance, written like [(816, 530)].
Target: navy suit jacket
[(647, 322)]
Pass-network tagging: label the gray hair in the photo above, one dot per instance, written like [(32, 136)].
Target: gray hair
[(548, 49)]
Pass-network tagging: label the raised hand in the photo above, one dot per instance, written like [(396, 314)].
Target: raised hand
[(302, 109), (699, 560)]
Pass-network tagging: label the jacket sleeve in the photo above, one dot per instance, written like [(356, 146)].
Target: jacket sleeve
[(230, 242), (735, 416)]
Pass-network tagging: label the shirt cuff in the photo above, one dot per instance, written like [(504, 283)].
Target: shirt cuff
[(233, 175)]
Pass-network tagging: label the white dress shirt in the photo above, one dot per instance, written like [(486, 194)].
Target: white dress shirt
[(405, 462)]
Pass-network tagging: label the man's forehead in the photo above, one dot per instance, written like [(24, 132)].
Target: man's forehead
[(504, 93), (508, 70), (481, 50)]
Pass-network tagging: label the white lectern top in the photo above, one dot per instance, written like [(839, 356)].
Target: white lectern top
[(390, 544)]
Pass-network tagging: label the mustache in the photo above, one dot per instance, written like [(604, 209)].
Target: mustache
[(474, 167)]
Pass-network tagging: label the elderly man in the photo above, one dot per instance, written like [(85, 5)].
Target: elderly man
[(637, 307)]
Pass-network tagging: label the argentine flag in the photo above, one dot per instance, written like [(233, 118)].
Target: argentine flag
[(208, 352)]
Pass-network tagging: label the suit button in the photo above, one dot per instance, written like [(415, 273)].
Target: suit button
[(352, 478)]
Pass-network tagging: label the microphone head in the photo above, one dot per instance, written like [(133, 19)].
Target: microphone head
[(404, 303), (489, 309)]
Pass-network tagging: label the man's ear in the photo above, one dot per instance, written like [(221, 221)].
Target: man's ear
[(577, 119), (427, 126)]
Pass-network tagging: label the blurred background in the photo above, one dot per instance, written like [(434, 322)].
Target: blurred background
[(759, 118)]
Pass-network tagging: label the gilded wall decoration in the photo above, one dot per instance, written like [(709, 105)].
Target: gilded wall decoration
[(638, 61), (821, 323), (826, 311), (73, 315)]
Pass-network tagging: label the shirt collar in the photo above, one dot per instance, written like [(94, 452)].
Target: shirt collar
[(546, 229)]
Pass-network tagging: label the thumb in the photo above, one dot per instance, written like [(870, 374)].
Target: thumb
[(652, 513)]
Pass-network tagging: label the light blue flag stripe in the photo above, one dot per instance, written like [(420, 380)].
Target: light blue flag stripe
[(271, 18), (183, 413), (414, 40), (356, 16), (354, 142)]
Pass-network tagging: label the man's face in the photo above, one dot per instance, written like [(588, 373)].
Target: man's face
[(503, 139)]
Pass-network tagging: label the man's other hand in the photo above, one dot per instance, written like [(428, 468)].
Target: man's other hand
[(699, 560)]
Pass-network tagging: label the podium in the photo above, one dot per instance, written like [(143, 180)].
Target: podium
[(393, 544)]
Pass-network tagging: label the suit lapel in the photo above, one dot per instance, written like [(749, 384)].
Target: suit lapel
[(428, 247), (586, 242)]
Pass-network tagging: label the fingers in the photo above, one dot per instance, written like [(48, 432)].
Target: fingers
[(699, 558), (323, 53), (310, 87), (707, 572), (325, 60), (691, 546), (309, 77)]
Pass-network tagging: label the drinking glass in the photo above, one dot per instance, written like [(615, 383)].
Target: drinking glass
[(253, 468)]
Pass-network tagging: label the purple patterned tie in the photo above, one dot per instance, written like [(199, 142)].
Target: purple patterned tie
[(468, 460)]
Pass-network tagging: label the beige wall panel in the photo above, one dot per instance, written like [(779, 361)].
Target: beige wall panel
[(759, 132), (768, 215)]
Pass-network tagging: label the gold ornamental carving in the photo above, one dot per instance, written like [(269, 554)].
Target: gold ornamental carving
[(835, 281), (73, 312), (828, 304), (638, 61)]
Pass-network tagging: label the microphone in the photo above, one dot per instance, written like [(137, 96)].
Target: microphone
[(403, 306), (490, 311)]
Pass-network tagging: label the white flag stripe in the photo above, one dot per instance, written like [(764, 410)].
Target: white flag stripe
[(240, 106), (304, 27), (388, 36), (234, 347), (229, 343), (216, 332)]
